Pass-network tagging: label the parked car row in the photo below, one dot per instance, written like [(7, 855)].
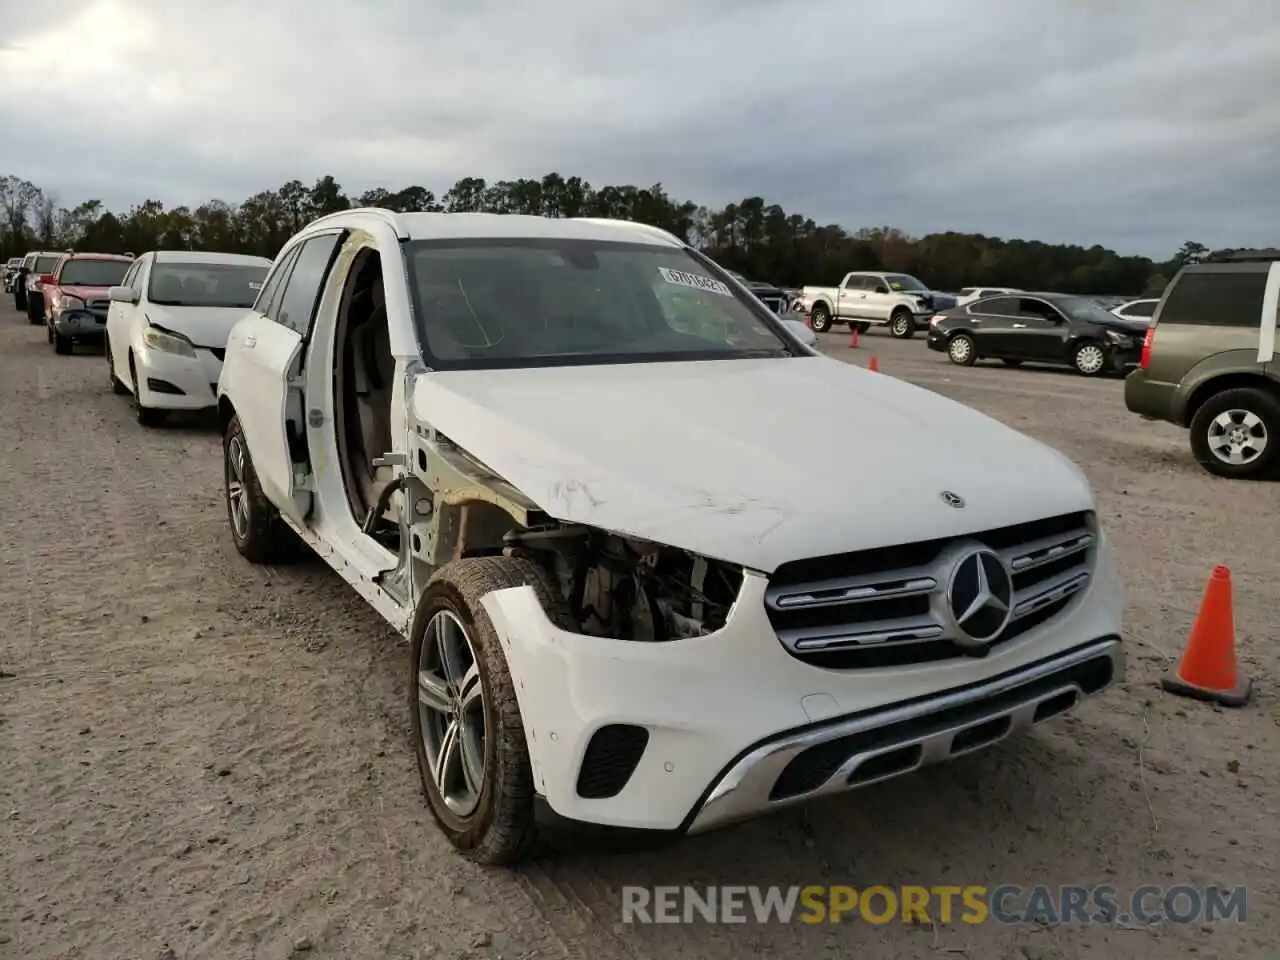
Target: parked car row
[(547, 451)]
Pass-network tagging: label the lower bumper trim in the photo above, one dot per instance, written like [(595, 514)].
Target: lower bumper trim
[(868, 748)]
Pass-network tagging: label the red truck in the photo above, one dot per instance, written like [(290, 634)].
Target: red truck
[(75, 297)]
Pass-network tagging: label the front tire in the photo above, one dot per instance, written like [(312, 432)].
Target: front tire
[(468, 733), (146, 416), (259, 533), (117, 387), (902, 324), (820, 318), (961, 350), (1236, 434), (1089, 359)]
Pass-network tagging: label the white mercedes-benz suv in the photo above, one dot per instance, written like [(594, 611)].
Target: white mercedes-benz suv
[(573, 462)]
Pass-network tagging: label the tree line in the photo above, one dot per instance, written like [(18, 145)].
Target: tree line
[(758, 239)]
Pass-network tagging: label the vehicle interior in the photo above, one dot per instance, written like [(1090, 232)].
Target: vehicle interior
[(364, 372)]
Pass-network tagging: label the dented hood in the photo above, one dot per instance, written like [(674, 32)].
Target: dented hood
[(755, 462)]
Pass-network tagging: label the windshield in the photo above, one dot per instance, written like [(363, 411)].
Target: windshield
[(92, 273), (524, 303), (45, 265), (1078, 308), (206, 284), (903, 281)]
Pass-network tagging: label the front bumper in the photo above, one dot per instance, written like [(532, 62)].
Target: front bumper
[(80, 324), (168, 381), (937, 340), (1126, 356), (725, 715)]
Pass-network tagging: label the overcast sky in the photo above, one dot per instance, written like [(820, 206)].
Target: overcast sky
[(1137, 124)]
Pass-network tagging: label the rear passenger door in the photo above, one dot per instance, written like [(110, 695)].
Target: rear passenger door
[(265, 377)]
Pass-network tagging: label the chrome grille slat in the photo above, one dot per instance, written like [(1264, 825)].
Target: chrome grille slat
[(1032, 555), (887, 606), (1043, 594), (877, 632), (853, 590)]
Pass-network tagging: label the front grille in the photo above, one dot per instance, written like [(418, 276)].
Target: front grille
[(888, 606), (98, 306)]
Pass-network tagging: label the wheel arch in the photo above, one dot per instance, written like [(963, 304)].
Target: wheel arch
[(226, 411), (1227, 381)]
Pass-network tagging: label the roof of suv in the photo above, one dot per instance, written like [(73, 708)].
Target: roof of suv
[(504, 226), (99, 256), (1257, 257)]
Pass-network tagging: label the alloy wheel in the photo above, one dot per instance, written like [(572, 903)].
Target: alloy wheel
[(452, 709), (1237, 437), (236, 497)]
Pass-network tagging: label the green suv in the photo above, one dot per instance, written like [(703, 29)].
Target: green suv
[(1209, 363)]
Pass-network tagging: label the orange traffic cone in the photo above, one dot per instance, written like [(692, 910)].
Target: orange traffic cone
[(1208, 668), (853, 338), (873, 366)]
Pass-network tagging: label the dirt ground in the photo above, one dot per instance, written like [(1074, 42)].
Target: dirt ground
[(204, 759)]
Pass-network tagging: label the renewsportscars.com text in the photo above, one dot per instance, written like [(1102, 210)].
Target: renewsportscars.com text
[(943, 904)]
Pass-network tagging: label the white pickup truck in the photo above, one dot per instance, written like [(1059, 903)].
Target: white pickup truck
[(865, 298)]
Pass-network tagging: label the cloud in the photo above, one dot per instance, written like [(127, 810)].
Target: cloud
[(1136, 125)]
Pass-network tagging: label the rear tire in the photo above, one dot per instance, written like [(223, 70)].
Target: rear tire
[(961, 350), (902, 324), (257, 529), (820, 318), (489, 814), (1236, 434)]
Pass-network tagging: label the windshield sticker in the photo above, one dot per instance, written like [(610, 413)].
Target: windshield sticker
[(895, 284), (695, 280), (253, 285)]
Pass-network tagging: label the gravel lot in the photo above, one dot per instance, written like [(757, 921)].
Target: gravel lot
[(200, 758)]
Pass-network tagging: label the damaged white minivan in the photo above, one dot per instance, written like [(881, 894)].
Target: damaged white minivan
[(579, 466)]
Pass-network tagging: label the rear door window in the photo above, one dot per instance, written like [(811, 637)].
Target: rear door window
[(1212, 299), (996, 307)]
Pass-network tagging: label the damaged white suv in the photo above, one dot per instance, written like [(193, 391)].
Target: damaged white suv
[(574, 462)]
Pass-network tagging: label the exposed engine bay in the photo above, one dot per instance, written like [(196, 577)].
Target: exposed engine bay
[(631, 589)]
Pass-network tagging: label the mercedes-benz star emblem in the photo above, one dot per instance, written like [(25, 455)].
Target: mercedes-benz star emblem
[(979, 597), (952, 499)]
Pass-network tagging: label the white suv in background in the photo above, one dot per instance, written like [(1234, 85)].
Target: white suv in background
[(572, 461)]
